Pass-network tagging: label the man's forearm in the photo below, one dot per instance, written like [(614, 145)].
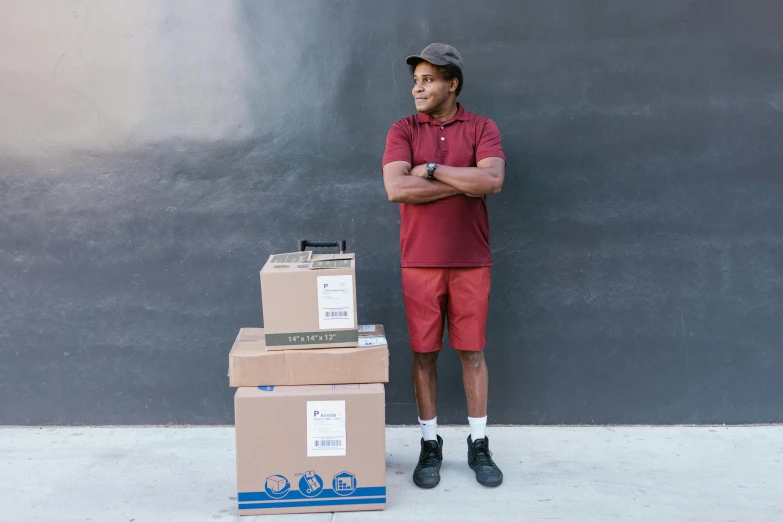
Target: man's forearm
[(471, 180), (412, 189)]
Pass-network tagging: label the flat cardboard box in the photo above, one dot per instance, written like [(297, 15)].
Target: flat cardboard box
[(251, 364), (310, 449), (309, 301)]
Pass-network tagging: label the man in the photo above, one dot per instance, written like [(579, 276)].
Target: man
[(439, 165)]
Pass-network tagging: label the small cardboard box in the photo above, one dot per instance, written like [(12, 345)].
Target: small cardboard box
[(310, 449), (309, 301), (251, 364)]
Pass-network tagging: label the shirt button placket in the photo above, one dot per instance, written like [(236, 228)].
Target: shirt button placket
[(441, 148)]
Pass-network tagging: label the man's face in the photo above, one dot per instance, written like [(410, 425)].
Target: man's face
[(430, 90)]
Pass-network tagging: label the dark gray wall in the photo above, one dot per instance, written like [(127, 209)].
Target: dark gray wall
[(154, 153)]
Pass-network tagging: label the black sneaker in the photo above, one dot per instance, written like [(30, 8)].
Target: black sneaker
[(480, 461), (427, 472)]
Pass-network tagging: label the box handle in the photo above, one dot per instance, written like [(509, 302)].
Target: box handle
[(304, 243)]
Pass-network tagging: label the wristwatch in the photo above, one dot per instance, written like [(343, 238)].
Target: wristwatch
[(431, 170)]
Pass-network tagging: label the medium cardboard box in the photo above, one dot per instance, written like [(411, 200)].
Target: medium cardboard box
[(309, 301), (310, 449), (251, 364)]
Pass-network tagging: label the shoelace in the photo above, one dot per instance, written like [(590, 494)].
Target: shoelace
[(483, 456), (429, 455)]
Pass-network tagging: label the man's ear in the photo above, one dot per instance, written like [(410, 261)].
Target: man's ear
[(454, 84)]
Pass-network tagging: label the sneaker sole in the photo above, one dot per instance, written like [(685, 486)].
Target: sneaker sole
[(490, 484), (486, 483), (425, 486)]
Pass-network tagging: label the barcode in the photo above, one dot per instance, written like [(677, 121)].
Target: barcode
[(322, 443), (336, 314)]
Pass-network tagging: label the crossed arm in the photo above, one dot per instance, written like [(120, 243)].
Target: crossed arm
[(410, 185)]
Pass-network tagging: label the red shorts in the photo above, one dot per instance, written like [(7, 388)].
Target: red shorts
[(432, 294)]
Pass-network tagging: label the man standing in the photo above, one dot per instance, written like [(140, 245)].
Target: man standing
[(439, 165)]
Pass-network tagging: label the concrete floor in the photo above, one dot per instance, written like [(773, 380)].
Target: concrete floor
[(551, 473)]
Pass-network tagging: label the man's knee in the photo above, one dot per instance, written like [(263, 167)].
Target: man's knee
[(473, 360), (425, 360)]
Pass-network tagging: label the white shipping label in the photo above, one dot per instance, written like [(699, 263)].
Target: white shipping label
[(372, 340), (326, 429), (335, 302), (364, 328)]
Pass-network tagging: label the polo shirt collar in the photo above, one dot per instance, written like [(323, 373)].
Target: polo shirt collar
[(461, 115)]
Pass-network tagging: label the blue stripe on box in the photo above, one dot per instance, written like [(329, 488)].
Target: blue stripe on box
[(260, 496), (345, 501)]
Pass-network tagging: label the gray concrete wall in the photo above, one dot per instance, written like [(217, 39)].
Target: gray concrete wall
[(152, 154)]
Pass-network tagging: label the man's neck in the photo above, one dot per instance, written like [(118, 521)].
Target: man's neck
[(445, 113)]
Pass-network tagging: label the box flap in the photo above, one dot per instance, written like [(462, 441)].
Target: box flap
[(292, 257), (315, 389), (331, 257), (248, 348), (326, 261), (250, 334)]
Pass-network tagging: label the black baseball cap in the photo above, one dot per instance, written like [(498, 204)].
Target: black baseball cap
[(437, 54)]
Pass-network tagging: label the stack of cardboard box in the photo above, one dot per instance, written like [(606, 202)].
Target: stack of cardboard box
[(310, 404)]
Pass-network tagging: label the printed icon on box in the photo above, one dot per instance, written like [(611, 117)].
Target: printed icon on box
[(277, 486), (310, 485), (344, 483)]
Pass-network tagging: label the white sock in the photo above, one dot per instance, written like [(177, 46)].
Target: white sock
[(429, 428), (477, 427)]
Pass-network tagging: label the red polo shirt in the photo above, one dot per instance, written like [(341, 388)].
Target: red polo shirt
[(451, 232)]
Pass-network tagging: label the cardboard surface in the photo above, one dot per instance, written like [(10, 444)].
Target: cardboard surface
[(251, 364), (309, 301), (340, 427)]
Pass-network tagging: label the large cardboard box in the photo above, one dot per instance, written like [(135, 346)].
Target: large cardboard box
[(309, 301), (309, 449), (251, 364)]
